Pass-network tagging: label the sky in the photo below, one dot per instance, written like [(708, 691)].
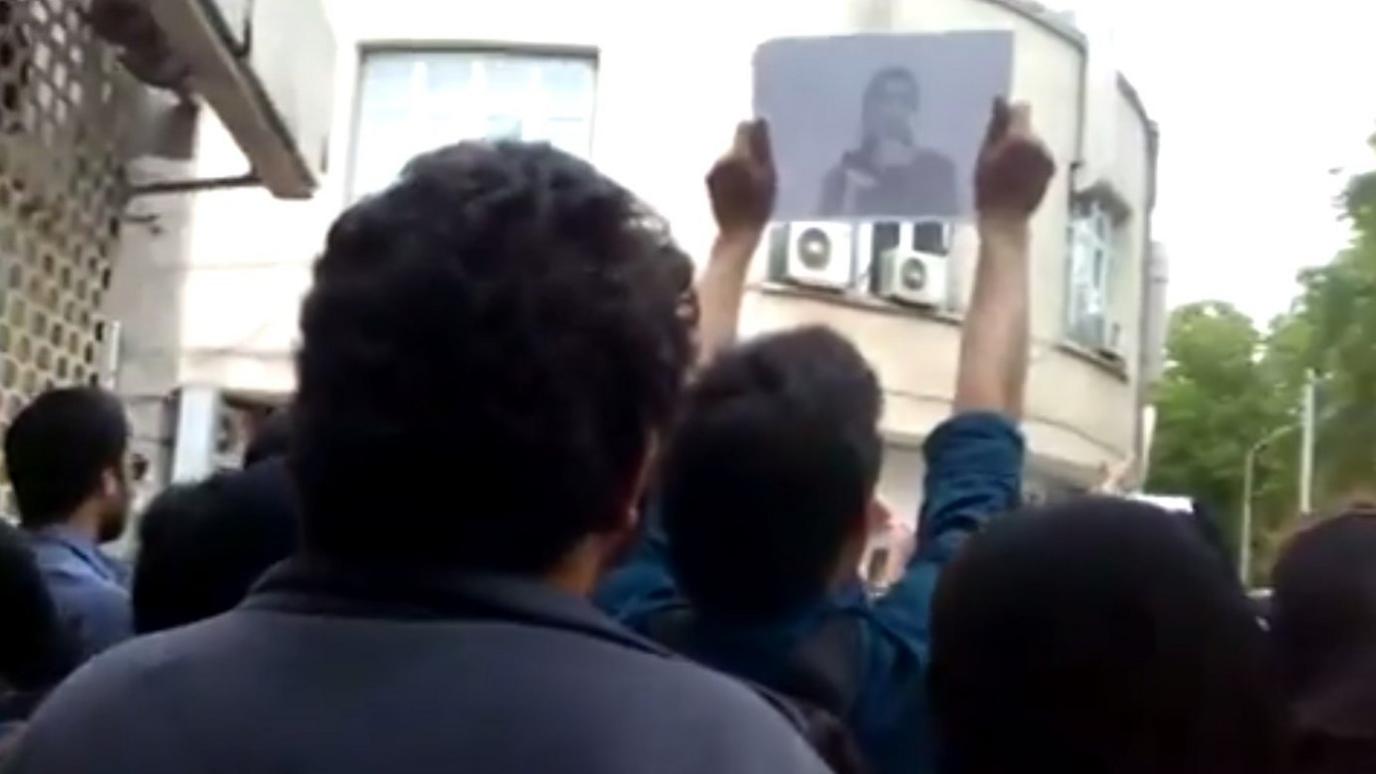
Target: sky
[(1264, 108)]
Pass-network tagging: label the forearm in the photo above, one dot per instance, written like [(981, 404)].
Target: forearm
[(721, 289), (992, 373)]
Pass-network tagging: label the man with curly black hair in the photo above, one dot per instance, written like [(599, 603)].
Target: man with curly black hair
[(490, 352)]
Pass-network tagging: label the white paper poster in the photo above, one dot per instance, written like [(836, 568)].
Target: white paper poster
[(879, 126)]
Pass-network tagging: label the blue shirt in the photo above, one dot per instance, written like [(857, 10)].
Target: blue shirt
[(87, 586), (974, 472)]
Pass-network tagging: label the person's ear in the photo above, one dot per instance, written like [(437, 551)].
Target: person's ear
[(111, 483)]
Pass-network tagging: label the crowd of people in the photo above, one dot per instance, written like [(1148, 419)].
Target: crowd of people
[(533, 508)]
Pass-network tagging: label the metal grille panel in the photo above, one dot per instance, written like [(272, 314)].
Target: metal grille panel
[(62, 191)]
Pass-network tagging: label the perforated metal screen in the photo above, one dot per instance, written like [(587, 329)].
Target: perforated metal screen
[(62, 190)]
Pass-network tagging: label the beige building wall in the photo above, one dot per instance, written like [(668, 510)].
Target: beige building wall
[(672, 80)]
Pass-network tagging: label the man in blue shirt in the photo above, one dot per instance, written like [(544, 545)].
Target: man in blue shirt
[(65, 455), (767, 487)]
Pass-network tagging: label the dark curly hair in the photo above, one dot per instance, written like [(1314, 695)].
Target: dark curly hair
[(489, 348), (1099, 635), (202, 546), (58, 448), (770, 471)]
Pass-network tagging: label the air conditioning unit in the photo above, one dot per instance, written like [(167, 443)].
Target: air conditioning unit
[(909, 262), (1114, 345), (818, 254), (911, 277), (267, 67)]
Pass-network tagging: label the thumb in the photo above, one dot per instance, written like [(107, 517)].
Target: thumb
[(1020, 122), (760, 145), (742, 144), (998, 121)]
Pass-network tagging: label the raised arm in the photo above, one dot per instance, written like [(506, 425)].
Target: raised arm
[(1013, 172), (975, 458), (742, 187)]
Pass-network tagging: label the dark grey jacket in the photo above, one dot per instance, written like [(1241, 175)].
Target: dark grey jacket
[(322, 670)]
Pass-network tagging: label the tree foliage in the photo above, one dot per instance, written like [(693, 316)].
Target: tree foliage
[(1211, 404), (1227, 386)]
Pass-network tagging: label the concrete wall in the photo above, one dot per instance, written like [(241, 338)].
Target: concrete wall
[(672, 81)]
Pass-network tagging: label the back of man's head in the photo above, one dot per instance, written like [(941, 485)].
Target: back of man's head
[(271, 440), (1098, 635), (490, 346), (1323, 610), (59, 447), (769, 475), (202, 546)]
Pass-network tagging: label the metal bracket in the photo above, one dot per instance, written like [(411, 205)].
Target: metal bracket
[(194, 186)]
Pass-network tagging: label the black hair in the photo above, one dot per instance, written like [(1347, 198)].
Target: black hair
[(892, 73), (489, 348), (272, 439), (202, 546), (1323, 610), (57, 448), (1099, 636), (770, 471), (34, 652)]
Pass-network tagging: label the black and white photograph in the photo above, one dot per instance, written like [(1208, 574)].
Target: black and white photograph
[(879, 126)]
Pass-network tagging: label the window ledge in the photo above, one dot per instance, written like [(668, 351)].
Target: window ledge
[(857, 300), (1112, 365)]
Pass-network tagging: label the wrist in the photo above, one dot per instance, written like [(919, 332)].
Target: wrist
[(1005, 227), (736, 244)]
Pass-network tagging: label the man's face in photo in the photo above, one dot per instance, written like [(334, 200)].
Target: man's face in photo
[(892, 109)]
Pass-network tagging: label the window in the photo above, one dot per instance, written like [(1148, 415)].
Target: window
[(1092, 235), (414, 101)]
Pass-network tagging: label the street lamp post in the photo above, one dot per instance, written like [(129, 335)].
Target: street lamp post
[(1244, 560), (1309, 422)]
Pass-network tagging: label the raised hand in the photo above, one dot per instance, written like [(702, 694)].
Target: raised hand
[(1014, 166), (1011, 177), (743, 183), (742, 186)]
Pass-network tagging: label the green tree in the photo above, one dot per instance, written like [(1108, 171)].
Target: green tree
[(1338, 302), (1212, 404), (1227, 386)]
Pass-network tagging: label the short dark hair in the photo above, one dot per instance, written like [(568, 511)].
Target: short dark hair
[(202, 546), (886, 75), (770, 470), (893, 73), (57, 448), (489, 348), (270, 440), (1099, 635), (1323, 606), (34, 652)]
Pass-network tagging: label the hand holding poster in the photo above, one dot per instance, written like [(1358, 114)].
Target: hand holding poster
[(879, 126)]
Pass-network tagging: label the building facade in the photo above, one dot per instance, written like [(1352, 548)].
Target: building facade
[(66, 111), (650, 92)]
